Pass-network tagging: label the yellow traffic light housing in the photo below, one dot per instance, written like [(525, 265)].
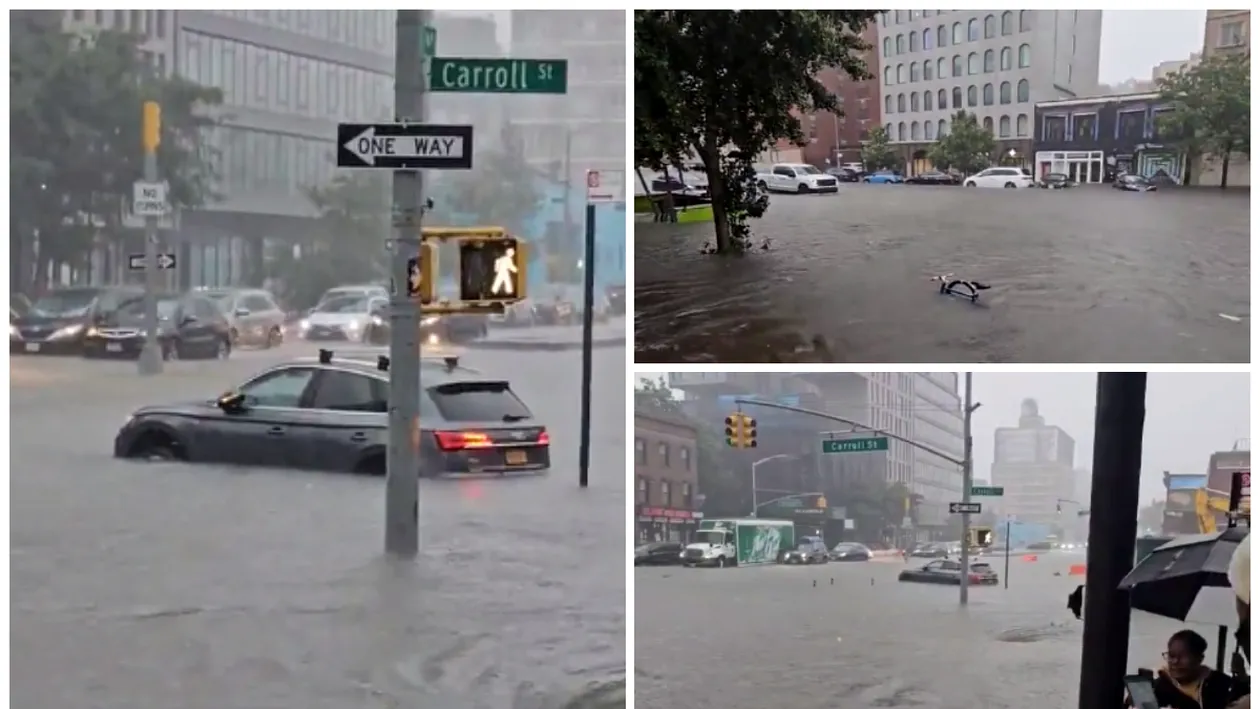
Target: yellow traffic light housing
[(982, 537), (151, 126), (750, 432), (734, 431), (492, 269)]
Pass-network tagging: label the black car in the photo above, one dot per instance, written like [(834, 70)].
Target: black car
[(933, 177), (845, 174), (456, 328), (189, 326), (949, 571), (616, 299), (332, 414), (929, 551), (1133, 183), (850, 551), (809, 550), (58, 321), (658, 554), (1056, 181)]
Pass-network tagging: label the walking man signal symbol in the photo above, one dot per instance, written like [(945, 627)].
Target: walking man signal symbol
[(504, 273)]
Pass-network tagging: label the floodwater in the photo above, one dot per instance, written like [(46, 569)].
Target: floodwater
[(1084, 275), (138, 585)]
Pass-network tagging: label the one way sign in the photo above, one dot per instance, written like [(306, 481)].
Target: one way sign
[(404, 146), (166, 262)]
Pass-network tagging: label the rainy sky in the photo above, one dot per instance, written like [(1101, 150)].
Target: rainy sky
[(1134, 41)]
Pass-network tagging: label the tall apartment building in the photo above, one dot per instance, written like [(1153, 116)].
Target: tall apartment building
[(1033, 462), (995, 64)]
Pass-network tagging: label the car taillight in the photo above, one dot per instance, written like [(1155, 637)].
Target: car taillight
[(544, 439), (459, 440), (974, 578)]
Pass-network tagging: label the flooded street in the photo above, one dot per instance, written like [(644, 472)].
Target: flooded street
[(141, 585), (758, 637), (1084, 275)]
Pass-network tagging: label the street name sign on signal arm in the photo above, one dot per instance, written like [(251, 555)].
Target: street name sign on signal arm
[(404, 146), (987, 491), (854, 445), (964, 508), (136, 262), (499, 76)]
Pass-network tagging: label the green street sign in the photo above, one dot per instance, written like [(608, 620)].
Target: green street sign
[(428, 41), (987, 491), (855, 445), (499, 76)]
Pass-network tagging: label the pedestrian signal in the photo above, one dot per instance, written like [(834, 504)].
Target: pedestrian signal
[(492, 270), (982, 537)]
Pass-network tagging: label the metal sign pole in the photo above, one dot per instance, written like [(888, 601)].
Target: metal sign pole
[(588, 323), (1006, 569), (150, 361), (402, 505), (966, 491)]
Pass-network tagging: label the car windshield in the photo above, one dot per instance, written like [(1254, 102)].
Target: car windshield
[(65, 303), (345, 304), (478, 401), (134, 308), (808, 170)]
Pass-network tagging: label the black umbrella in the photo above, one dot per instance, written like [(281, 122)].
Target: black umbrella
[(1173, 580)]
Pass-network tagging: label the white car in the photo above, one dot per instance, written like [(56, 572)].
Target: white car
[(798, 178), (1001, 177)]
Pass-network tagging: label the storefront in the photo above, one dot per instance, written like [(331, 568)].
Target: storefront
[(663, 524), (1082, 167)]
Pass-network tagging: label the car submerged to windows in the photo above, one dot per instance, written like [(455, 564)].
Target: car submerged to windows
[(949, 571), (332, 414)]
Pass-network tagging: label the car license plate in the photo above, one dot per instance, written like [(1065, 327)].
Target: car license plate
[(32, 347), (113, 347), (516, 457)]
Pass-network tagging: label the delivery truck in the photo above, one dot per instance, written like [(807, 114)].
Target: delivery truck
[(739, 542)]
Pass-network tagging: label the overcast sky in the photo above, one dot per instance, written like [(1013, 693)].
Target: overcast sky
[(1134, 41)]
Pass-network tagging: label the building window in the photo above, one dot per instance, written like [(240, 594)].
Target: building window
[(684, 454), (958, 33), (686, 496), (973, 30), (927, 100), (1004, 127), (1025, 56), (989, 61), (901, 131), (1004, 92), (988, 94), (958, 97), (888, 46), (942, 129), (914, 131), (971, 95), (1006, 59), (1231, 35), (942, 37), (914, 102), (1021, 91), (1021, 126), (914, 72), (990, 27), (665, 500), (888, 105), (77, 15), (973, 63), (662, 451), (927, 39), (1008, 23), (942, 68), (641, 490), (120, 19), (958, 65), (897, 16), (927, 130), (640, 452), (901, 73), (942, 100), (914, 41), (888, 76), (988, 125), (901, 103), (901, 44), (1025, 20), (883, 19), (927, 70), (888, 130)]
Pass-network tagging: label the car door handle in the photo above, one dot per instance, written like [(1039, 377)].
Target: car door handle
[(275, 431), (358, 436)]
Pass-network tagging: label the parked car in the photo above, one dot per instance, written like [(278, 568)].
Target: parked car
[(1000, 177), (658, 554), (1056, 181), (797, 177), (809, 550), (1133, 183), (252, 313), (689, 186), (846, 174), (58, 320), (933, 177), (883, 177), (949, 571), (850, 551), (929, 551), (190, 326)]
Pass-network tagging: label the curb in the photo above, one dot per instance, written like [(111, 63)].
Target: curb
[(543, 346)]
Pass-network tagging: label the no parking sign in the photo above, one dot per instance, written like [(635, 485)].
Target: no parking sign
[(604, 186)]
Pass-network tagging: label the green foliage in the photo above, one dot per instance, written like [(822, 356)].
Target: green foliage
[(75, 121), (1211, 109), (720, 85), (877, 154), (501, 189), (968, 148)]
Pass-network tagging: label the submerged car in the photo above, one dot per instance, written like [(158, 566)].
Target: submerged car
[(949, 571), (809, 550), (354, 317), (1056, 181), (1133, 183), (850, 551), (332, 414), (658, 554), (254, 317), (933, 177)]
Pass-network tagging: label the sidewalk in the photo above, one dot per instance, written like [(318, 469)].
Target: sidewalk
[(552, 337)]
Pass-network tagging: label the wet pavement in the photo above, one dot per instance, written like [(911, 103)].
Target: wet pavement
[(143, 585), (767, 637), (1084, 275)]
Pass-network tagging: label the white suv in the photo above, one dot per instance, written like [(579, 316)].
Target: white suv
[(1006, 177)]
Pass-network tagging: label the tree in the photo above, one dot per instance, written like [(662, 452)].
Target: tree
[(502, 189), (1210, 109), (877, 154), (75, 116), (968, 148), (720, 86)]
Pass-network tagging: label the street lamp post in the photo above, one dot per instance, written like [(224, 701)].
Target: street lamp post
[(767, 459)]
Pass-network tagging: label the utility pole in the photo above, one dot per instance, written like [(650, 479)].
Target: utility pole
[(968, 409), (150, 361), (1119, 418), (402, 494), (780, 456)]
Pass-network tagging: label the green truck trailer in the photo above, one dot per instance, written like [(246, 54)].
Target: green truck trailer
[(739, 542)]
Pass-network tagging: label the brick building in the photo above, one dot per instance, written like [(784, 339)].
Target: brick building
[(665, 478), (1089, 139)]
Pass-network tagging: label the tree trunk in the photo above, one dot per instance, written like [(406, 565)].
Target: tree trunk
[(1224, 170), (717, 195)]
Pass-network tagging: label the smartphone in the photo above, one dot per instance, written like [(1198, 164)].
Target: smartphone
[(1141, 691)]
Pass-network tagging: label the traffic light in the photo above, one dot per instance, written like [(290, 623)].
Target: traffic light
[(750, 432), (982, 537), (492, 269), (734, 430)]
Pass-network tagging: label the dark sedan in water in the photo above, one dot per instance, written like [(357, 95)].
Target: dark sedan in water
[(58, 321), (1133, 183), (189, 326), (332, 414), (850, 551), (933, 177), (949, 571), (658, 554)]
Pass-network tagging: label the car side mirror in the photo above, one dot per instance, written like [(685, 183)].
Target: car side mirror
[(232, 402), (241, 312)]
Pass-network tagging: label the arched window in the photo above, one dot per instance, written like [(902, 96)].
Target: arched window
[(988, 94), (942, 69), (888, 46), (914, 41), (1025, 56), (927, 39), (888, 104), (901, 103), (988, 125), (914, 131), (990, 27), (1004, 92), (989, 57), (973, 30), (901, 131), (901, 44), (927, 100), (957, 97), (888, 76), (1025, 20), (927, 70), (888, 132), (901, 73), (1021, 126), (883, 19), (927, 130), (942, 129), (1021, 91), (973, 63), (1006, 59), (1004, 127), (914, 102), (958, 65), (942, 99), (942, 37), (897, 17), (971, 95), (958, 33), (914, 73), (1008, 22)]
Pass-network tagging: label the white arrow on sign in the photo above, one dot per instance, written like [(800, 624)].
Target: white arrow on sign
[(369, 146), (166, 261)]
